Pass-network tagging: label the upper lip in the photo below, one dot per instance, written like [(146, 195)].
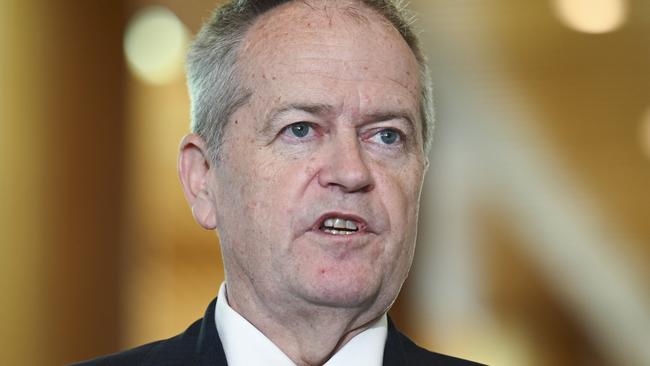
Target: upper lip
[(360, 221)]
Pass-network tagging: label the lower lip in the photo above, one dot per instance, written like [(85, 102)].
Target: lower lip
[(338, 245)]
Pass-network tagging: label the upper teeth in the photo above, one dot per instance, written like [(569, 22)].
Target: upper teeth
[(338, 223)]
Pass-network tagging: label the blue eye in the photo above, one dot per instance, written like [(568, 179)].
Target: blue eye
[(299, 129), (389, 136)]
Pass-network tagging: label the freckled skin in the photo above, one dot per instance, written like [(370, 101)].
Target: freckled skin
[(270, 186)]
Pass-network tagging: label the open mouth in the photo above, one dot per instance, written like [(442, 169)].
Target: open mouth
[(339, 226)]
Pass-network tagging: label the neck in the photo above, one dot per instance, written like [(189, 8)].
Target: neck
[(308, 334)]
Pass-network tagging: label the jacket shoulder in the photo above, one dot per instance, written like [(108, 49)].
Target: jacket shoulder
[(421, 356), (134, 356), (172, 351)]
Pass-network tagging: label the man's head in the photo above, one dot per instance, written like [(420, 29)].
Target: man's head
[(315, 192), (213, 64)]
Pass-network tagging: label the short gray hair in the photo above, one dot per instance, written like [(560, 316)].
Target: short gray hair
[(212, 67)]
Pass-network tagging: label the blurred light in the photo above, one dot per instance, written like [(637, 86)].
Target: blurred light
[(591, 16), (154, 43), (491, 343), (645, 133)]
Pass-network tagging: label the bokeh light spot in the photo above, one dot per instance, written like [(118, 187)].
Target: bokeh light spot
[(591, 16), (154, 44)]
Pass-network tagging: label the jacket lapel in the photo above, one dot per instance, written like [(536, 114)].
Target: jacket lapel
[(394, 354), (209, 350)]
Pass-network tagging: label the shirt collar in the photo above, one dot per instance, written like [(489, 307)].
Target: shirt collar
[(245, 345)]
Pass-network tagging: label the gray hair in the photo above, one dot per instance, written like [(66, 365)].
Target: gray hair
[(212, 67)]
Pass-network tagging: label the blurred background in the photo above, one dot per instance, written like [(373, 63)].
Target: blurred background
[(534, 244)]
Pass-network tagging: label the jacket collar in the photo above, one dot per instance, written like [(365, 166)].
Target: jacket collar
[(209, 350), (394, 353)]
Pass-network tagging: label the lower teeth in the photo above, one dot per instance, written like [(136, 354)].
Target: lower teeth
[(338, 232)]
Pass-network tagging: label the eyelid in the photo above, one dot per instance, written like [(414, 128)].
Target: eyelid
[(377, 129)]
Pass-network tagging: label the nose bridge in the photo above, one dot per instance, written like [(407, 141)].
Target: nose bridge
[(347, 167)]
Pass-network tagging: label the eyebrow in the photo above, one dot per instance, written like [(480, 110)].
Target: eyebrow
[(311, 108), (318, 109), (392, 115)]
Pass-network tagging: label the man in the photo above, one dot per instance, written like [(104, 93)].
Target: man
[(311, 123)]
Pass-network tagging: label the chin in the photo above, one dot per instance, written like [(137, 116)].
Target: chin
[(334, 288)]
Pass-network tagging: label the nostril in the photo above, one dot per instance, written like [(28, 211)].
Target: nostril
[(366, 188)]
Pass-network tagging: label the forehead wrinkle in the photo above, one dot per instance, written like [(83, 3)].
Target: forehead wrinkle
[(414, 94), (383, 112), (340, 78)]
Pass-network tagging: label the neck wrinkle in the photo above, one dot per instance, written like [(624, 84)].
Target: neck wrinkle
[(302, 333)]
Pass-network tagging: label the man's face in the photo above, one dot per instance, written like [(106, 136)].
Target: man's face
[(318, 187)]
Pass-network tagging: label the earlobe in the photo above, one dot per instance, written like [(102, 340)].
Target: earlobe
[(194, 172)]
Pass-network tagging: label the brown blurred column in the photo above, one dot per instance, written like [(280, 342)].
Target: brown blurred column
[(62, 170)]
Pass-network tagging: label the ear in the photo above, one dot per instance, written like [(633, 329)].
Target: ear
[(194, 166)]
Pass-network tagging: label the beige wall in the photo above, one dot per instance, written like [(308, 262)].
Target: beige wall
[(60, 145)]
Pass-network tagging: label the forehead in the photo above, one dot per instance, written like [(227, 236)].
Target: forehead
[(335, 41)]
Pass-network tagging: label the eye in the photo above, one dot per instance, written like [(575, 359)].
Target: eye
[(388, 136), (298, 129)]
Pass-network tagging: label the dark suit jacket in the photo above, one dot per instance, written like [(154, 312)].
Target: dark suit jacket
[(200, 345)]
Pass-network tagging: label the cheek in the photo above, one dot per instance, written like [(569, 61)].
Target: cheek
[(270, 195), (401, 198)]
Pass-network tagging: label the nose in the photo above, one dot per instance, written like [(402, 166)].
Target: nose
[(345, 167)]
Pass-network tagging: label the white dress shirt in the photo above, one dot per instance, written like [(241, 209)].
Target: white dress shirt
[(244, 345)]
